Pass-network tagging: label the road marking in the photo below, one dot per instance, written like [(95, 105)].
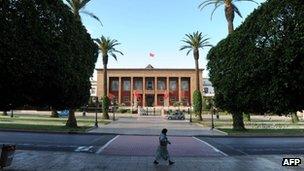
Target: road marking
[(84, 149), (107, 144), (215, 149)]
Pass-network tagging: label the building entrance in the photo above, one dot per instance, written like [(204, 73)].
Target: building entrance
[(150, 100)]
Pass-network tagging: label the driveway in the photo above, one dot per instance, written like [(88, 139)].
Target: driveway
[(152, 125)]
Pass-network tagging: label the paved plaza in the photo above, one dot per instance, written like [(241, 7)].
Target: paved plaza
[(152, 125), (42, 161), (146, 146)]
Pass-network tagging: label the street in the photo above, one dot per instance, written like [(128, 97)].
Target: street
[(92, 143), (55, 141), (257, 145)]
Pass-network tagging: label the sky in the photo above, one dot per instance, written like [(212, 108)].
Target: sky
[(158, 26)]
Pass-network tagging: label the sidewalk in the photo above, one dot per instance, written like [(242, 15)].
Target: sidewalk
[(153, 125), (44, 161)]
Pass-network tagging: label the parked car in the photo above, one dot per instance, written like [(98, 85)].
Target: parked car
[(63, 113), (177, 115)]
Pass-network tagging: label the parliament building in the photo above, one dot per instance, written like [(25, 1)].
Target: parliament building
[(149, 86)]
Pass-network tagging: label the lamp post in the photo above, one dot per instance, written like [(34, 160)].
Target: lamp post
[(114, 108), (190, 114), (12, 112), (96, 111), (212, 113)]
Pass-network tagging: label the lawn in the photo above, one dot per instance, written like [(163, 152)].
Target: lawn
[(46, 123), (266, 132), (259, 125)]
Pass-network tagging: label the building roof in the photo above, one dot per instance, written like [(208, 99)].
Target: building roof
[(149, 67)]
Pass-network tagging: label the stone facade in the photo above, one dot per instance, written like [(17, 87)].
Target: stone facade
[(149, 86)]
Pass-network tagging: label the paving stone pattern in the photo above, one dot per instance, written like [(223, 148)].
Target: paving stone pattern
[(146, 146)]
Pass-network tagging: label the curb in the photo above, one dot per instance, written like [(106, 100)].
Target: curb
[(210, 136)]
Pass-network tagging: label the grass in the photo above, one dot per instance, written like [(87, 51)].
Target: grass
[(265, 132), (32, 122), (259, 125)]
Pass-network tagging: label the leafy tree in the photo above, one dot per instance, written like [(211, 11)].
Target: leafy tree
[(47, 56), (198, 104), (107, 47), (260, 67), (194, 42), (230, 10), (77, 7)]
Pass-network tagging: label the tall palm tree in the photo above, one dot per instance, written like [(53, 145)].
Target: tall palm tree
[(194, 42), (77, 7), (107, 47), (230, 9)]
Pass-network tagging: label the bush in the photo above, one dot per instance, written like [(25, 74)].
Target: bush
[(259, 68), (122, 110), (105, 107), (198, 103)]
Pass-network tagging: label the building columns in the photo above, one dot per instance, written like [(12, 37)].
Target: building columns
[(155, 91), (131, 92), (179, 89), (144, 92), (119, 90), (168, 91)]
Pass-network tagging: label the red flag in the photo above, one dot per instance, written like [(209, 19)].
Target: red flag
[(166, 95), (151, 54)]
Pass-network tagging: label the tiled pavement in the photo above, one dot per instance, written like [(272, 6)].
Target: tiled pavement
[(152, 125), (147, 145), (65, 161)]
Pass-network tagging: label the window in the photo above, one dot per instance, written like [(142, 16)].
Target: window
[(161, 85), (206, 90), (161, 99), (149, 85), (172, 99), (114, 85), (138, 85), (173, 85), (126, 99), (185, 85), (126, 85)]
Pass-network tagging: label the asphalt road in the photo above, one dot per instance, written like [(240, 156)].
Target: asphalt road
[(93, 143), (257, 145), (55, 142)]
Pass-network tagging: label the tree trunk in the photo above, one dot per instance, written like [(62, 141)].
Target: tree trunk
[(200, 118), (54, 114), (4, 113), (196, 57), (71, 122), (238, 123), (229, 13), (105, 75), (294, 117), (230, 27), (105, 85)]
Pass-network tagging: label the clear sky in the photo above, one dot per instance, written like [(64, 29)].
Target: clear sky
[(158, 26)]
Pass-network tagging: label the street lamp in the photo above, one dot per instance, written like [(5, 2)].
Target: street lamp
[(212, 122), (114, 108), (95, 99), (12, 111), (189, 112)]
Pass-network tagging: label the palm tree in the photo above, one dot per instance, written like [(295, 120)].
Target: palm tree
[(107, 47), (230, 10), (194, 42), (77, 7)]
